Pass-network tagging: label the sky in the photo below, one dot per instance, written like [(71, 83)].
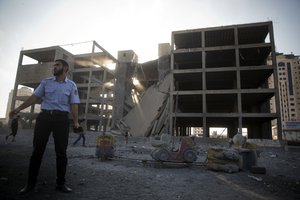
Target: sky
[(138, 25)]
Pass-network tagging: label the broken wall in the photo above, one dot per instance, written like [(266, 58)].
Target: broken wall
[(141, 118)]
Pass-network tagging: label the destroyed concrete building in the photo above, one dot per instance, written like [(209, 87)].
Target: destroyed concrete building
[(210, 77), (89, 71), (220, 79)]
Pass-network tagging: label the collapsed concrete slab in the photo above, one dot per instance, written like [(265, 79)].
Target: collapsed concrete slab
[(141, 118)]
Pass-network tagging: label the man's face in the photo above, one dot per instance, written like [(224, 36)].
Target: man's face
[(58, 69)]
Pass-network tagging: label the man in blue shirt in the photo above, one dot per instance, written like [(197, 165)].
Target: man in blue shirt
[(59, 96)]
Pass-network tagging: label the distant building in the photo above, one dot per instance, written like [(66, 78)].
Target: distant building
[(289, 86), (288, 69)]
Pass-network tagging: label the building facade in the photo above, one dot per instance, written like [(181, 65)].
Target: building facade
[(220, 79), (288, 66), (289, 86), (88, 70)]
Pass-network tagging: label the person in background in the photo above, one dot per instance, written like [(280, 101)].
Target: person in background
[(81, 133), (59, 96), (14, 128)]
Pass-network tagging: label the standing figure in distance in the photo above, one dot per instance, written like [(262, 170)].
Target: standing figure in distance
[(81, 133), (59, 96), (14, 128)]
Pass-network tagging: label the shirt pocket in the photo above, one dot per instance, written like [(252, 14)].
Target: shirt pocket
[(65, 96), (49, 94)]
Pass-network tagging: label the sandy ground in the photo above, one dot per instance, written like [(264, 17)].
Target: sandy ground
[(126, 177)]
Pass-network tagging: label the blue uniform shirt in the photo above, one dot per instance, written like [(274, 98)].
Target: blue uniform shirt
[(57, 95)]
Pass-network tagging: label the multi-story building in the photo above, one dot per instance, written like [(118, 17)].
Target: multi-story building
[(289, 86), (288, 68), (220, 79), (90, 71)]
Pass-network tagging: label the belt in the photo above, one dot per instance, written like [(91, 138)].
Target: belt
[(55, 112)]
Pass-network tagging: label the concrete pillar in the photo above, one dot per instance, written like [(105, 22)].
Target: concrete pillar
[(205, 128), (164, 67), (123, 85), (266, 132), (16, 83)]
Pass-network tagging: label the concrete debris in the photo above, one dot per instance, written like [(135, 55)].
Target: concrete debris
[(273, 156), (225, 153), (239, 140), (255, 178), (127, 176), (82, 181), (142, 117), (223, 159)]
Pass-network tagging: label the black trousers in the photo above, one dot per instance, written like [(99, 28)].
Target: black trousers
[(46, 123)]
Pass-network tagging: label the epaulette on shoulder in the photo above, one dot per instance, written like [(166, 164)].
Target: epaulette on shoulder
[(49, 78), (73, 83)]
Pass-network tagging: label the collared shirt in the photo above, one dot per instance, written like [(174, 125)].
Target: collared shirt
[(57, 95)]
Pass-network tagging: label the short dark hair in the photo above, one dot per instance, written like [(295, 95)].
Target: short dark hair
[(63, 62)]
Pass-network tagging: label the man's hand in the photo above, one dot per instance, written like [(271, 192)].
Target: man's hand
[(78, 129), (76, 124), (29, 102), (14, 112)]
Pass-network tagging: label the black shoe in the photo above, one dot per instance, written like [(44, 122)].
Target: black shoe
[(63, 188), (27, 188)]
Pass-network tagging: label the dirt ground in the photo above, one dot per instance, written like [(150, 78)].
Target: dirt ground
[(126, 177)]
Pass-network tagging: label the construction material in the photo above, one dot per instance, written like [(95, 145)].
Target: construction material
[(223, 159), (105, 146), (248, 159)]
